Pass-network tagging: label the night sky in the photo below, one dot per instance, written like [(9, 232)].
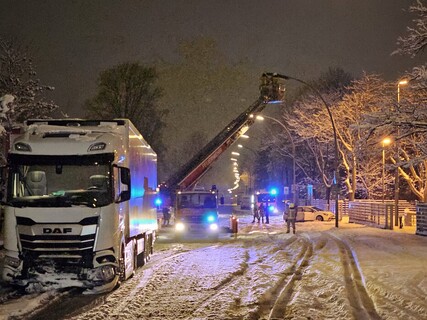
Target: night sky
[(73, 41)]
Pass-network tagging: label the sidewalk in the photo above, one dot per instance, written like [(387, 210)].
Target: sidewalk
[(405, 229)]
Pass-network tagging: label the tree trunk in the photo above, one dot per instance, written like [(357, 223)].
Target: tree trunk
[(352, 195)]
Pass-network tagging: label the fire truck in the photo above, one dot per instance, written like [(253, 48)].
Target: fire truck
[(196, 210), (268, 199)]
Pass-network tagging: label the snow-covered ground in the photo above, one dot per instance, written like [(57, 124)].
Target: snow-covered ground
[(353, 272)]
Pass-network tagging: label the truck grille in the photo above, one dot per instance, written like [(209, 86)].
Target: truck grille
[(63, 241)]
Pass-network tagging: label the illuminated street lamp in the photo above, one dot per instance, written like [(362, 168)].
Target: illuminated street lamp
[(246, 148), (275, 76), (403, 82), (244, 136), (294, 185), (385, 142), (235, 153)]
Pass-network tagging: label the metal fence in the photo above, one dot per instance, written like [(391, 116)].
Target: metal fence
[(375, 213), (421, 219)]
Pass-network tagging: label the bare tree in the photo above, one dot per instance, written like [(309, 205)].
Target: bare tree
[(22, 94), (310, 122), (416, 39), (129, 91), (19, 79), (367, 95), (410, 115), (414, 43)]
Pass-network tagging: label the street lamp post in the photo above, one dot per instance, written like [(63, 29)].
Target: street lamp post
[(396, 177), (385, 142), (285, 77), (294, 186)]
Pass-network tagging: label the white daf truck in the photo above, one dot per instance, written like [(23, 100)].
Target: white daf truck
[(79, 205)]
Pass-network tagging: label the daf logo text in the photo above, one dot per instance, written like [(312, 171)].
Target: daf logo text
[(57, 230)]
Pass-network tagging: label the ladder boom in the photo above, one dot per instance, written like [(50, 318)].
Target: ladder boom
[(194, 169)]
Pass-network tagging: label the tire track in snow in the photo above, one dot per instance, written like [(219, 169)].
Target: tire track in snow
[(248, 269), (9, 293), (404, 306), (144, 279), (86, 304), (274, 302), (225, 283), (361, 303)]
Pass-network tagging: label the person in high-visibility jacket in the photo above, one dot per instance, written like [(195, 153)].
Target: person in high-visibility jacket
[(290, 216)]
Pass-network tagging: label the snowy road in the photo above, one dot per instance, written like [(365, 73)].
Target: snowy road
[(353, 272)]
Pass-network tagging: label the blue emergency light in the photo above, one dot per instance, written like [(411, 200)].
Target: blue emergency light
[(273, 192)]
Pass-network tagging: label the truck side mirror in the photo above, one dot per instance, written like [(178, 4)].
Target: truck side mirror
[(125, 176), (125, 182)]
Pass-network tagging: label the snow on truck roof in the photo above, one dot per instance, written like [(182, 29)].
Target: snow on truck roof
[(48, 136), (77, 122), (72, 126)]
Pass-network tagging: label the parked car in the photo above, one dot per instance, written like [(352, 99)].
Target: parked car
[(310, 213)]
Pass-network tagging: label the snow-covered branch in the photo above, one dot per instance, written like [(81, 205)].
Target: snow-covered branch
[(416, 39)]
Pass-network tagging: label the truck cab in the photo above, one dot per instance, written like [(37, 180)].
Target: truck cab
[(70, 209)]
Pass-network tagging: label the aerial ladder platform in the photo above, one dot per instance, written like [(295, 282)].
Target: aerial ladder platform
[(271, 91)]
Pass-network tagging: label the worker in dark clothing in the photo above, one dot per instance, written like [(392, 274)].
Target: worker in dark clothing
[(256, 214), (267, 214), (261, 211), (166, 216)]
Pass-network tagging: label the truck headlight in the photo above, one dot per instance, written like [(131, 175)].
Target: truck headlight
[(179, 226), (12, 261), (213, 227), (107, 273)]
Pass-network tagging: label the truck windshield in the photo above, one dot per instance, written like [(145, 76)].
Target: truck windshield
[(197, 200), (59, 185)]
